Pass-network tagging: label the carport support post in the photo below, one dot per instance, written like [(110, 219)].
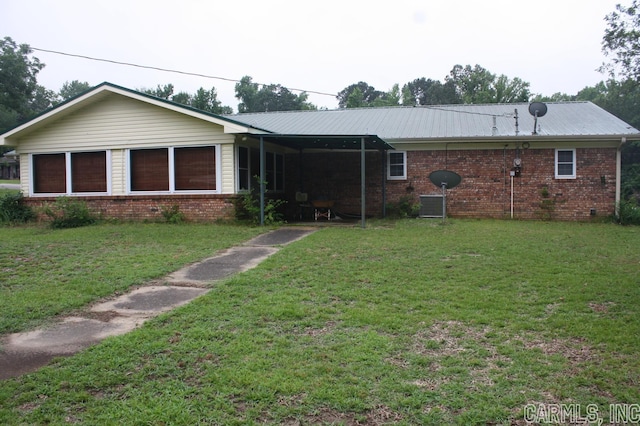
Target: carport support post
[(262, 182), (362, 182)]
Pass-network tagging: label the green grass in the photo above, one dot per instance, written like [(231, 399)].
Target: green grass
[(412, 322), (50, 272)]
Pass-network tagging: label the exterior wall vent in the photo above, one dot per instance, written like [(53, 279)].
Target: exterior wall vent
[(430, 206)]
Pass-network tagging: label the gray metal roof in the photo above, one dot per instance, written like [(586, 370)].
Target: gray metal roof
[(445, 121)]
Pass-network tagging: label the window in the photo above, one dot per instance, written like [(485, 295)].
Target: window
[(397, 165), (195, 168), (70, 173), (173, 169), (244, 174), (565, 163), (89, 171), (150, 169), (50, 174), (249, 166)]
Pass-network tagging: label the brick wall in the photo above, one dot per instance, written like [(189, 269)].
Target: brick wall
[(485, 190), (197, 208)]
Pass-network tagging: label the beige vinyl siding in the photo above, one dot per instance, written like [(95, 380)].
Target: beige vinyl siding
[(118, 172), (25, 167), (227, 154), (118, 122)]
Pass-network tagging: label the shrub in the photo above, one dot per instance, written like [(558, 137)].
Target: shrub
[(628, 213), (14, 210), (69, 213), (173, 214), (404, 207), (248, 208)]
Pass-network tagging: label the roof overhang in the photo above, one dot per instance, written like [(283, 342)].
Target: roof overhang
[(323, 142)]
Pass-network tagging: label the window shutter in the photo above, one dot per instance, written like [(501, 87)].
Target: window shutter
[(49, 174), (195, 168), (150, 170), (89, 172)]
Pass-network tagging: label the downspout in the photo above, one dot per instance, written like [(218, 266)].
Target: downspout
[(384, 182), (362, 182), (262, 178), (619, 174)]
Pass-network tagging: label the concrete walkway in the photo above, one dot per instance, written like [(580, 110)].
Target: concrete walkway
[(25, 352)]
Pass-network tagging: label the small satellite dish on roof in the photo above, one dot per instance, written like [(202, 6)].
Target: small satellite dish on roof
[(445, 179), (537, 109)]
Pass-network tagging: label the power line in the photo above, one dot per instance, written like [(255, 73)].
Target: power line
[(171, 70)]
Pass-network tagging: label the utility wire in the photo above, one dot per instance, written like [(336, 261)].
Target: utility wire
[(170, 70)]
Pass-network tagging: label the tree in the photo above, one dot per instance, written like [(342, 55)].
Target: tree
[(622, 41), (479, 86), (271, 97), (73, 88), (366, 96), (207, 100), (423, 91), (18, 83), (160, 92)]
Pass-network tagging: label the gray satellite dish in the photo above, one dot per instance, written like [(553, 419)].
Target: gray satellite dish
[(537, 109), (445, 179)]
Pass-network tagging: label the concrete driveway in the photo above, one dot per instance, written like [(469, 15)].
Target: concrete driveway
[(21, 353)]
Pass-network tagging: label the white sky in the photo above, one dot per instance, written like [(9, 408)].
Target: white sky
[(322, 45)]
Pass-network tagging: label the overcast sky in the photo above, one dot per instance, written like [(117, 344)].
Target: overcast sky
[(322, 45)]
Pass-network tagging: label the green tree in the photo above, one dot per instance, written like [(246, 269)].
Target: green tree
[(366, 97), (479, 86), (73, 88), (207, 100), (18, 83), (160, 92), (271, 97), (422, 91), (621, 40)]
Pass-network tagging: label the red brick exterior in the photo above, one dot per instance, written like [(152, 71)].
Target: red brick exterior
[(197, 208), (485, 190)]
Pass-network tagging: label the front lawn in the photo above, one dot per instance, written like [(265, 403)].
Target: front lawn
[(411, 322), (50, 272)]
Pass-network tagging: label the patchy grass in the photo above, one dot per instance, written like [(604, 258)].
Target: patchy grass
[(412, 322), (50, 272)]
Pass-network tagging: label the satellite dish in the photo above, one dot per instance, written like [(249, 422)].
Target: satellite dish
[(538, 109), (445, 178)]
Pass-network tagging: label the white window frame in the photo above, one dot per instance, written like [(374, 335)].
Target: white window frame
[(404, 166), (172, 187), (558, 163), (68, 176)]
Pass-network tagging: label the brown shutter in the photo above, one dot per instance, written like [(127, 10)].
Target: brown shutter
[(89, 172), (195, 168), (49, 172), (150, 170)]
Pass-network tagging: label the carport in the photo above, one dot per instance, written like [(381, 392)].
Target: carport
[(361, 143)]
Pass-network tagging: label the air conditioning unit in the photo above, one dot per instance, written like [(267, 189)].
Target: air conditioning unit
[(431, 205)]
